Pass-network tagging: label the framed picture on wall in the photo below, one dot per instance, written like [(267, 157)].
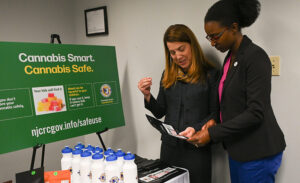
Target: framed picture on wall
[(96, 21)]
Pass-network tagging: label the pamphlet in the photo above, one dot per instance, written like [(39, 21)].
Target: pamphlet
[(164, 128)]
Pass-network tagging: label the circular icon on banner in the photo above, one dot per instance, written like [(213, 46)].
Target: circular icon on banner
[(105, 90)]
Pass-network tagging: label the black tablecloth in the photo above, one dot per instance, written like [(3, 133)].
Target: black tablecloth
[(155, 171)]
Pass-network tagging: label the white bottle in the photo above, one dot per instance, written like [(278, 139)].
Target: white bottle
[(120, 161), (85, 167), (112, 172), (75, 176), (66, 160), (120, 154), (130, 169), (107, 153), (97, 168)]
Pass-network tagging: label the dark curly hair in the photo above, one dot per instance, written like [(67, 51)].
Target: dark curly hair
[(243, 12)]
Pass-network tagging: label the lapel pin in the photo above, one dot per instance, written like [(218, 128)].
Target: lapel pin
[(235, 64)]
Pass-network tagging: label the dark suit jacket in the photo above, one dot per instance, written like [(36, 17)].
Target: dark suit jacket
[(249, 130), (186, 105)]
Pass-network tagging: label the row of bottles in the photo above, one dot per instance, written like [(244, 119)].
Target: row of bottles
[(92, 165)]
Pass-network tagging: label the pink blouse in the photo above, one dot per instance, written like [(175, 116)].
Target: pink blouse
[(221, 84)]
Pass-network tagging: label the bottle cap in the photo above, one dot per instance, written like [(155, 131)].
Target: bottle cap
[(90, 148), (120, 153), (98, 150), (79, 145), (86, 154), (111, 158), (129, 157), (97, 156), (66, 150), (77, 151), (108, 151)]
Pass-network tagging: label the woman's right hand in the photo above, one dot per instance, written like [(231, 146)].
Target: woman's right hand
[(209, 124), (144, 86)]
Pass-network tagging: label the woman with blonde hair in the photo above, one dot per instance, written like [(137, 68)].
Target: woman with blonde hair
[(187, 99)]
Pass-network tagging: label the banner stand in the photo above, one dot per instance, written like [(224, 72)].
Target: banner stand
[(53, 36), (100, 138), (34, 153)]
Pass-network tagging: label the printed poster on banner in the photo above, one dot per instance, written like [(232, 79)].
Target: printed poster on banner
[(49, 99), (51, 92)]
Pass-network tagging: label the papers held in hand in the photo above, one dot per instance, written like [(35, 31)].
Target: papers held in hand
[(164, 128)]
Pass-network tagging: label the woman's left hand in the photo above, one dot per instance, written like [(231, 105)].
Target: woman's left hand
[(188, 132), (200, 138)]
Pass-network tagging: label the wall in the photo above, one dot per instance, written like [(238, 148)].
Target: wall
[(136, 29), (276, 30), (35, 21)]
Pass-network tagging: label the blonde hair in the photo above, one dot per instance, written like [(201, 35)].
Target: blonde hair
[(199, 66)]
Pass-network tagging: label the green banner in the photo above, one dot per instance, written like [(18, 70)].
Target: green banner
[(51, 92)]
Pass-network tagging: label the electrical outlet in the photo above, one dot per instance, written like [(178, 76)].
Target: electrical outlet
[(275, 60)]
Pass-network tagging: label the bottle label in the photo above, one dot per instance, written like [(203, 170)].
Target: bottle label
[(102, 177), (121, 176)]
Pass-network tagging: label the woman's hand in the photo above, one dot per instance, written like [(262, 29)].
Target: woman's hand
[(209, 124), (144, 86), (188, 132), (200, 138)]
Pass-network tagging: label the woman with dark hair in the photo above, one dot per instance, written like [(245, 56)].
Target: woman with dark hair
[(248, 127), (187, 85)]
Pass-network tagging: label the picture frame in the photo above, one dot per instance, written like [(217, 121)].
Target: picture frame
[(96, 21)]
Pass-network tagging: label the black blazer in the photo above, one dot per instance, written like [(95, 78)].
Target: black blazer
[(249, 130), (186, 105)]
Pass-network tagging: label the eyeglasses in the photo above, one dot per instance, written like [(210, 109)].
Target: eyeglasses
[(215, 37)]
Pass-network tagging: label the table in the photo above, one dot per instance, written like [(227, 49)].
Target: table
[(182, 178), (155, 171)]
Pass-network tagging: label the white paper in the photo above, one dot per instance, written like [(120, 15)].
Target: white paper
[(95, 21), (171, 131)]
